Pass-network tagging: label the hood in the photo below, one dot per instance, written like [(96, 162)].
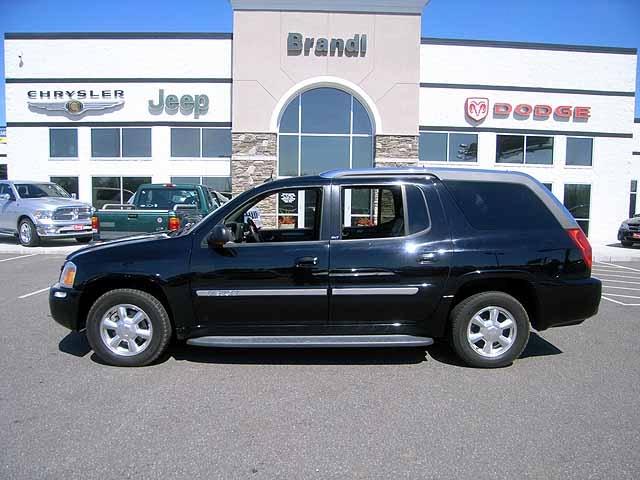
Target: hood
[(633, 221), (54, 202), (120, 242)]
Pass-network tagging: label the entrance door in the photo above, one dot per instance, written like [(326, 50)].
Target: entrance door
[(390, 260), (274, 275)]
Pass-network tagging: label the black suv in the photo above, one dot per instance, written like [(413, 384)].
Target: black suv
[(348, 258)]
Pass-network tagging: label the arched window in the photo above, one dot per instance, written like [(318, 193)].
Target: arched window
[(323, 129)]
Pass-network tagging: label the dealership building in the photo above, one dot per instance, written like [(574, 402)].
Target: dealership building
[(303, 87)]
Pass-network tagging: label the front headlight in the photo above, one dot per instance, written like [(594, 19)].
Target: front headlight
[(624, 225), (43, 214), (68, 275)]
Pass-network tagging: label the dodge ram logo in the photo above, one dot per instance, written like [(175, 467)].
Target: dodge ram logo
[(476, 108)]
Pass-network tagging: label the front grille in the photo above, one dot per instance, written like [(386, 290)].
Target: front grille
[(634, 228), (72, 213)]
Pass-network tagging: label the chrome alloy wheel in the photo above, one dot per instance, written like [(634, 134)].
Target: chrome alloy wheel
[(126, 330), (25, 233), (491, 331)]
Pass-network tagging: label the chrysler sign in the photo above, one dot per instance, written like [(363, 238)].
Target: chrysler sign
[(476, 109), (74, 102)]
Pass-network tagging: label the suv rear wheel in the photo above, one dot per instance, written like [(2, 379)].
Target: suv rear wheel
[(128, 327), (489, 329)]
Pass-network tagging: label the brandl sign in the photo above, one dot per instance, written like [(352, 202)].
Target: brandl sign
[(355, 46)]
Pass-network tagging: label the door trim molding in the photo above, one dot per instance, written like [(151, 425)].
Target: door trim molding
[(282, 292), (376, 291)]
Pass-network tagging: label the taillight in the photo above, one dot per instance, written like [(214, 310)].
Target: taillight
[(581, 241), (174, 223), (95, 223)]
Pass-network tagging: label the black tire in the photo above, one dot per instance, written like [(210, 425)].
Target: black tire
[(155, 311), (83, 239), (462, 315), (34, 239), (626, 243)]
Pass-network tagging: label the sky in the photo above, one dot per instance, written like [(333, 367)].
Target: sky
[(612, 23)]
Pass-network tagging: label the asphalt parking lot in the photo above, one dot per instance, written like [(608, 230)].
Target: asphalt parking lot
[(567, 409)]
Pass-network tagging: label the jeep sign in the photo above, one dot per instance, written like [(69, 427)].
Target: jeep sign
[(187, 104)]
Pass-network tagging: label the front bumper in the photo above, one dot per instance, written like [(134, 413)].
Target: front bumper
[(569, 302), (64, 304), (64, 229), (627, 236)]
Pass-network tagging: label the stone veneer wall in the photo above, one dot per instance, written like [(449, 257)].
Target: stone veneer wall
[(396, 150), (253, 160)]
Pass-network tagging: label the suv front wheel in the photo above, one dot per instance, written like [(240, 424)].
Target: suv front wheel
[(489, 329), (128, 328)]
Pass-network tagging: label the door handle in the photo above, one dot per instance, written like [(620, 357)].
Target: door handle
[(306, 262), (427, 257), (132, 215)]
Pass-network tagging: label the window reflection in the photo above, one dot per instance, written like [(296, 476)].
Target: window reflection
[(323, 129)]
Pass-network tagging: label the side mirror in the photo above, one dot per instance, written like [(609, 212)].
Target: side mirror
[(219, 236), (5, 196)]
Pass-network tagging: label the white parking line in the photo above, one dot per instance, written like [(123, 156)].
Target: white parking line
[(619, 276), (621, 303), (619, 266), (34, 293), (621, 288), (622, 296), (17, 258), (622, 281)]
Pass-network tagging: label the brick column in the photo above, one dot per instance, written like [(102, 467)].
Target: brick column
[(396, 151), (253, 160)]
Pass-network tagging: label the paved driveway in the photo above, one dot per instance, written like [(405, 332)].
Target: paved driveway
[(567, 409)]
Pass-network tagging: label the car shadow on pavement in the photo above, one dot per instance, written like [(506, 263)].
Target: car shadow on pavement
[(635, 246), (298, 356), (536, 347), (75, 343)]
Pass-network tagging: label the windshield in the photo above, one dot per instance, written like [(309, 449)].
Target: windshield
[(166, 199), (40, 190)]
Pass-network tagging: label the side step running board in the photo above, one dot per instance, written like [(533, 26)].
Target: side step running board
[(312, 341)]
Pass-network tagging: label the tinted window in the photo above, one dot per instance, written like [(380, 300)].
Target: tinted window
[(105, 142), (463, 147), (577, 199), (69, 184), (167, 198), (288, 156), (372, 212), (289, 122), (192, 180), (501, 206), (3, 171), (105, 190), (433, 147), (136, 142), (509, 149), (63, 142), (323, 153), (5, 189), (185, 142), (417, 213), (326, 110), (539, 150), (579, 151), (130, 186), (216, 142), (219, 184)]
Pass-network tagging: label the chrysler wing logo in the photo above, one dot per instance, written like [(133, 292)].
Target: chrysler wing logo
[(75, 107), (476, 108)]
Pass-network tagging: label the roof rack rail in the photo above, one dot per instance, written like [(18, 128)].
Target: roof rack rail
[(368, 172)]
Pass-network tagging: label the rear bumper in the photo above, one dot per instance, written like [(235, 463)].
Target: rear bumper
[(569, 302), (64, 304)]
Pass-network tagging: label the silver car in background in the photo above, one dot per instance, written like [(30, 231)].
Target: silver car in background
[(34, 211)]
